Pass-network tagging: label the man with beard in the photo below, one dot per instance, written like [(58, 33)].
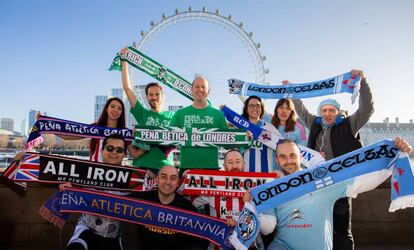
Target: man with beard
[(156, 238), (227, 208), (306, 222), (147, 157)]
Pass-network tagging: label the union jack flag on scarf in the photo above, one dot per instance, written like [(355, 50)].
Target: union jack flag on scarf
[(28, 169)]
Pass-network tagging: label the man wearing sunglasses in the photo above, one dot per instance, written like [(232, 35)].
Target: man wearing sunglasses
[(95, 232)]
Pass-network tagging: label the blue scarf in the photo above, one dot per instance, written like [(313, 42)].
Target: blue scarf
[(338, 84), (145, 213), (402, 186), (51, 125), (50, 211), (268, 138), (375, 157)]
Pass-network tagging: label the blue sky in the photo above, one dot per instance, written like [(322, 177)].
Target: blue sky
[(55, 54)]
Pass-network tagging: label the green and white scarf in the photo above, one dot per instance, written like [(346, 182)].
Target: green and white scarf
[(191, 137), (153, 68)]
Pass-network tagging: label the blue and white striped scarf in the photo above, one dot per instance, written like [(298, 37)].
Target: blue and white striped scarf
[(344, 83)]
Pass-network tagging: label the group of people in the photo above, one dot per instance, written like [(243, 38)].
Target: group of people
[(331, 132)]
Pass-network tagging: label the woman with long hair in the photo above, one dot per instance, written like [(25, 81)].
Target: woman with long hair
[(284, 119), (112, 116)]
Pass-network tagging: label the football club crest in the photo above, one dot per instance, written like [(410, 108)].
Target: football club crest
[(247, 226), (235, 86)]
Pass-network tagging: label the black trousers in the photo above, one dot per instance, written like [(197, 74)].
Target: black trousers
[(342, 214)]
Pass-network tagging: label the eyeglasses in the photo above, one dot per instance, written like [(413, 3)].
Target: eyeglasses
[(118, 150), (254, 105)]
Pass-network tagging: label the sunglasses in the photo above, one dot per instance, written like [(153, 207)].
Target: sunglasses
[(118, 150)]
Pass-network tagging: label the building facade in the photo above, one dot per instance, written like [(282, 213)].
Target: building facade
[(7, 124), (32, 119), (376, 131), (98, 106), (23, 128)]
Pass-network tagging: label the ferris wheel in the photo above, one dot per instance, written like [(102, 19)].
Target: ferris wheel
[(199, 42)]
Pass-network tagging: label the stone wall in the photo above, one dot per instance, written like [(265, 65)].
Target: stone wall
[(22, 228), (374, 225)]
